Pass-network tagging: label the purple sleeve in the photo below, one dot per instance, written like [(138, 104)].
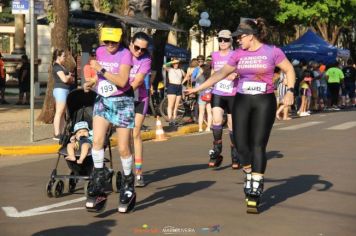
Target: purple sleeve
[(145, 66), (126, 57), (233, 60), (279, 55)]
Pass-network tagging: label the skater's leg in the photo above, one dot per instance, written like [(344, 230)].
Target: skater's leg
[(262, 121), (215, 157), (247, 180), (127, 191), (96, 195), (241, 129), (234, 155)]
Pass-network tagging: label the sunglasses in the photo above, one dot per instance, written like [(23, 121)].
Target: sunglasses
[(241, 36), (110, 42), (226, 40), (137, 48)]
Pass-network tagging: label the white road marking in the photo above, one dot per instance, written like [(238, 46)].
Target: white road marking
[(12, 211), (303, 125), (343, 126)]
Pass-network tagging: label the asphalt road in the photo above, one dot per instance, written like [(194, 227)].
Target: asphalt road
[(309, 189)]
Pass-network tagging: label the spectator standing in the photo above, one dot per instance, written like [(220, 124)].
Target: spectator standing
[(335, 77), (281, 91), (348, 86), (24, 81), (62, 82), (2, 81), (90, 74), (323, 88), (174, 89)]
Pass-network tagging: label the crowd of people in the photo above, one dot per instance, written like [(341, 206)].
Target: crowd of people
[(253, 84), (318, 88)]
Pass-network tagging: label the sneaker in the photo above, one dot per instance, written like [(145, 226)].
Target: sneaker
[(139, 182), (57, 137), (304, 114), (335, 108)]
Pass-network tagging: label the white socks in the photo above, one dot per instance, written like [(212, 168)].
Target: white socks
[(98, 158), (127, 164)]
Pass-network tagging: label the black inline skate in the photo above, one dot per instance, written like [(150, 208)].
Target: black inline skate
[(235, 163), (215, 157), (247, 183), (255, 194), (127, 194), (96, 199)]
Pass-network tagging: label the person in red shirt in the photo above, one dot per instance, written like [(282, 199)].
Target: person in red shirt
[(90, 75), (2, 81)]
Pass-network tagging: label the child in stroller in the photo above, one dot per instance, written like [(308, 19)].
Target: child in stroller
[(80, 142)]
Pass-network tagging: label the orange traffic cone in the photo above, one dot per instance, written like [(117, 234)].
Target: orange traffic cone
[(159, 131)]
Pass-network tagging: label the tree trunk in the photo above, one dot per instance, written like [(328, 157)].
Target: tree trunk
[(160, 40), (329, 33), (59, 36)]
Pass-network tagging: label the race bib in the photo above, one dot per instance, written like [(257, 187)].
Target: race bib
[(225, 86), (254, 88), (106, 88)]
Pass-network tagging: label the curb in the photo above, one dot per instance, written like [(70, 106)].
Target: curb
[(53, 148)]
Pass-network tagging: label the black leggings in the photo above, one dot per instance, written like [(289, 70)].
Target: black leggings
[(252, 119)]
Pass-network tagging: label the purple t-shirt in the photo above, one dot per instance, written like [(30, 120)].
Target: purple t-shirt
[(112, 63), (140, 65), (256, 68), (224, 87)]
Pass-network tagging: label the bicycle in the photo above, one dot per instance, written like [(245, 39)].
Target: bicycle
[(188, 106), (156, 97)]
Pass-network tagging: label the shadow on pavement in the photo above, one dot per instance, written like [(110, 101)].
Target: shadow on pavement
[(290, 188), (274, 154), (171, 192), (96, 228), (165, 173)]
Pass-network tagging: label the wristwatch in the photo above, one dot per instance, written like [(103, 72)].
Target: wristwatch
[(290, 90), (102, 71)]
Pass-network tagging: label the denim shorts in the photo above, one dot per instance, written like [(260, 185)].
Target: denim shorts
[(119, 111), (60, 94), (174, 89)]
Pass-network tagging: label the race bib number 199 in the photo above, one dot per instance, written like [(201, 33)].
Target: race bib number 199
[(106, 88)]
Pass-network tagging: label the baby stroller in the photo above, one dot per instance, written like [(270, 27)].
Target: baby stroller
[(79, 108)]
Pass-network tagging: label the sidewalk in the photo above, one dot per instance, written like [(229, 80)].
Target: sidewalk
[(15, 130)]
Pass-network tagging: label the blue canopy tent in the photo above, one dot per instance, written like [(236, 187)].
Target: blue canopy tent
[(173, 51), (311, 47)]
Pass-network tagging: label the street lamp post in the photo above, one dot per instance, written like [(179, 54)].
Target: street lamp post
[(204, 23)]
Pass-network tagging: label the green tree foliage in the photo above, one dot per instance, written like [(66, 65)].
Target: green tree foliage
[(328, 17), (5, 15)]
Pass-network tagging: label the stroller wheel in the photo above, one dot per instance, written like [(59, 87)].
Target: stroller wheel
[(49, 187), (57, 188), (116, 182)]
